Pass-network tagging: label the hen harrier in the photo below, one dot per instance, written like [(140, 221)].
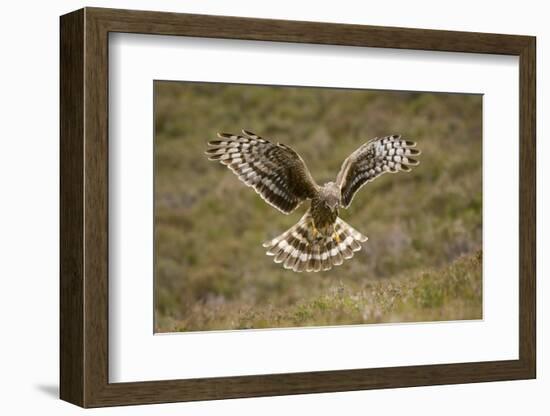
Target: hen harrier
[(279, 175)]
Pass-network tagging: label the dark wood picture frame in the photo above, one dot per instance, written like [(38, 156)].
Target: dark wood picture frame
[(84, 207)]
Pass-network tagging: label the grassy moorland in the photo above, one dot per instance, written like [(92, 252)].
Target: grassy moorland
[(422, 261)]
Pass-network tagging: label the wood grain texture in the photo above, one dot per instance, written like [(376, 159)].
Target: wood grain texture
[(84, 207), (162, 23), (96, 218), (527, 208), (72, 215)]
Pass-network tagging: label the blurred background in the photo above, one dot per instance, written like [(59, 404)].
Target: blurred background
[(422, 261)]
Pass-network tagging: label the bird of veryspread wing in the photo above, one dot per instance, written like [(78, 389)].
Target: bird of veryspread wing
[(372, 159), (275, 171)]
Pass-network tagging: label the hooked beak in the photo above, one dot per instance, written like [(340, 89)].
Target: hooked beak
[(332, 206)]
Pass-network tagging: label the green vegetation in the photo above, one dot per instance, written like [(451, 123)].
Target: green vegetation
[(422, 261)]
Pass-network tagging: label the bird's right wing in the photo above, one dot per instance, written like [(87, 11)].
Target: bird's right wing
[(275, 171), (374, 158)]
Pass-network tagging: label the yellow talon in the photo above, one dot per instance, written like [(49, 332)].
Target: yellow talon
[(314, 229), (336, 237)]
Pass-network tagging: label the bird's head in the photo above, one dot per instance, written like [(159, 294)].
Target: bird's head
[(331, 196)]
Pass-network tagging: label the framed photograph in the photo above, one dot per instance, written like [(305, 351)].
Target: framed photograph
[(255, 207)]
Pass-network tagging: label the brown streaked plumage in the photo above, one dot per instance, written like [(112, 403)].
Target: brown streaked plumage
[(320, 240)]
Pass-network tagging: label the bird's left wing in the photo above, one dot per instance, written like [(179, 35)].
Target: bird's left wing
[(372, 159), (275, 171)]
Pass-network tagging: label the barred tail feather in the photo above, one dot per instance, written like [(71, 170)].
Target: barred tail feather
[(299, 250)]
